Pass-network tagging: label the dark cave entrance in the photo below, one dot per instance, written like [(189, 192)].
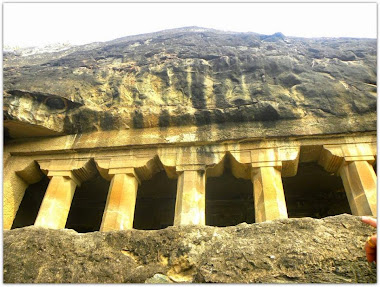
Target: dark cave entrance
[(229, 200), (88, 205), (31, 203), (313, 192), (155, 203)]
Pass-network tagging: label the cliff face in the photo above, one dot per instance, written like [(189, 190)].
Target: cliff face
[(306, 250), (191, 76)]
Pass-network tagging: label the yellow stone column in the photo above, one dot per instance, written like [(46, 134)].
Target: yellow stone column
[(268, 194), (120, 207), (56, 204), (359, 180), (268, 191), (190, 202), (65, 175), (352, 161)]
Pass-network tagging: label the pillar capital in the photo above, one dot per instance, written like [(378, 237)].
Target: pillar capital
[(142, 166), (130, 171), (333, 157), (188, 167), (79, 170), (68, 174), (284, 159)]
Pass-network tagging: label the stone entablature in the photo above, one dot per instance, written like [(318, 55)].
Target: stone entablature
[(264, 162)]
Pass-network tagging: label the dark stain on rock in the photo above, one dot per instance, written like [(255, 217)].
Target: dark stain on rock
[(180, 82), (197, 88), (164, 119), (219, 116), (220, 95), (267, 113), (84, 121), (138, 120), (182, 120), (202, 117), (107, 122), (164, 77), (289, 80)]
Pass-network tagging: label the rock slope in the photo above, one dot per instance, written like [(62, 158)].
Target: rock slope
[(306, 250), (192, 76)]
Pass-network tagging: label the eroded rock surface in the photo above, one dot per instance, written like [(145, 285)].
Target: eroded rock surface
[(306, 250), (191, 76)]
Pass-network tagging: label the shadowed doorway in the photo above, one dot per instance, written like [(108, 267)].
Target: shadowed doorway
[(88, 205), (229, 200), (313, 192), (155, 203), (31, 203)]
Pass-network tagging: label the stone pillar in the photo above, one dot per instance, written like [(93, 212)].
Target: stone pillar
[(268, 194), (65, 175), (190, 202), (120, 207), (267, 167), (353, 163), (56, 204), (359, 180)]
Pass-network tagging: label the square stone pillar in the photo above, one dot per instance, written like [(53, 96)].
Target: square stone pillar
[(121, 201), (352, 161), (190, 202), (268, 164), (56, 204), (65, 175), (268, 194), (359, 180)]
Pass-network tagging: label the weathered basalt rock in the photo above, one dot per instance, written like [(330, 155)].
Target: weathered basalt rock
[(306, 250), (190, 76)]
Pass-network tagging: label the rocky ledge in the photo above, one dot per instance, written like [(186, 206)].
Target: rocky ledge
[(305, 250), (190, 76)]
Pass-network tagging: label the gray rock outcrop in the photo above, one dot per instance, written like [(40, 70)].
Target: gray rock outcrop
[(305, 250)]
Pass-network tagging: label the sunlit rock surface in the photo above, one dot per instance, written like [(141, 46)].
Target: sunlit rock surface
[(192, 76), (306, 250)]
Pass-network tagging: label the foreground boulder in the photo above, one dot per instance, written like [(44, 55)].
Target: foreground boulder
[(305, 250)]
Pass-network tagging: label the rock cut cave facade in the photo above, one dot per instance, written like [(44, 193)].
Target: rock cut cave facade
[(158, 130), (219, 184)]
